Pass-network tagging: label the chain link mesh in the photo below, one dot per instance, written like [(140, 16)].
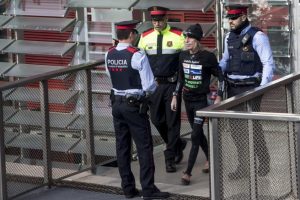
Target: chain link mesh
[(258, 157), (273, 166)]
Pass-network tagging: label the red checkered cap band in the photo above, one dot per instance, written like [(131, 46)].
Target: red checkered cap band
[(237, 11), (158, 12)]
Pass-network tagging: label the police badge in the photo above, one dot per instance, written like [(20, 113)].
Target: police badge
[(169, 43)]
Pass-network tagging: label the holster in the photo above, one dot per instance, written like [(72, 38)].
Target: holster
[(144, 106), (112, 96)]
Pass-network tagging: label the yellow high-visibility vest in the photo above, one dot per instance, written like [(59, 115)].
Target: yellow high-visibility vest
[(163, 49)]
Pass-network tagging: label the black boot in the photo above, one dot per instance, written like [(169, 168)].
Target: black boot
[(157, 195), (170, 166), (132, 194)]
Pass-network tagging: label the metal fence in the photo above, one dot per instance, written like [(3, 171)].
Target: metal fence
[(43, 137), (253, 143)]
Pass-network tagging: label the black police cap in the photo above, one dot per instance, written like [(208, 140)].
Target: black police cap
[(158, 12), (126, 25), (236, 10)]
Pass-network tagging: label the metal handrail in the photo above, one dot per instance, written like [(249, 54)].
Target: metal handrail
[(251, 94), (250, 115)]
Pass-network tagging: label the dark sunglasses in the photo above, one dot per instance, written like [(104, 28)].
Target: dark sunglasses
[(189, 34)]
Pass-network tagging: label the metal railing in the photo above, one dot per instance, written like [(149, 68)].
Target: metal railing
[(254, 143), (37, 166)]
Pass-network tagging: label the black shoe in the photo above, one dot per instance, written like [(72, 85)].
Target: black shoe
[(263, 169), (134, 193), (157, 195), (238, 174), (179, 157), (170, 166)]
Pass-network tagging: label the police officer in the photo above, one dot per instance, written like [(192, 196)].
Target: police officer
[(163, 44), (196, 68), (131, 78), (247, 63)]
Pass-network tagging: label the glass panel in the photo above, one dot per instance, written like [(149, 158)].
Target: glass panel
[(202, 5), (280, 43), (33, 94), (5, 66), (4, 43), (208, 28), (4, 19), (33, 118), (25, 70), (32, 141), (96, 32), (53, 8), (87, 53), (282, 66), (111, 15), (34, 23), (125, 4), (39, 48)]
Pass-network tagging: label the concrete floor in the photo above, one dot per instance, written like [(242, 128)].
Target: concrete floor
[(169, 182), (109, 176)]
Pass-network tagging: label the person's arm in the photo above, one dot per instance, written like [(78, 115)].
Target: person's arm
[(141, 63), (225, 56), (217, 72), (179, 85), (262, 46)]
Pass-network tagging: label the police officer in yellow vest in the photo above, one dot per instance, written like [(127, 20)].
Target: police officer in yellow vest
[(163, 44)]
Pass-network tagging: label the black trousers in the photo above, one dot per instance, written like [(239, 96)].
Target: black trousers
[(241, 137), (129, 124), (198, 138), (165, 120)]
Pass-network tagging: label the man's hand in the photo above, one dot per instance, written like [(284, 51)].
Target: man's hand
[(174, 103)]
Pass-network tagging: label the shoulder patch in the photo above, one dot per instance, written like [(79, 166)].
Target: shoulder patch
[(111, 48), (176, 30), (147, 32), (132, 49)]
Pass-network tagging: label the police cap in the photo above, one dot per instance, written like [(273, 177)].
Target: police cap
[(158, 12), (236, 10), (127, 25)]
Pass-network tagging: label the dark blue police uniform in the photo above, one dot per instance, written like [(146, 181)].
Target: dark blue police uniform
[(131, 78)]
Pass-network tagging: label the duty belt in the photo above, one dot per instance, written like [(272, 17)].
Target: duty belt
[(242, 82), (120, 98), (166, 79)]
